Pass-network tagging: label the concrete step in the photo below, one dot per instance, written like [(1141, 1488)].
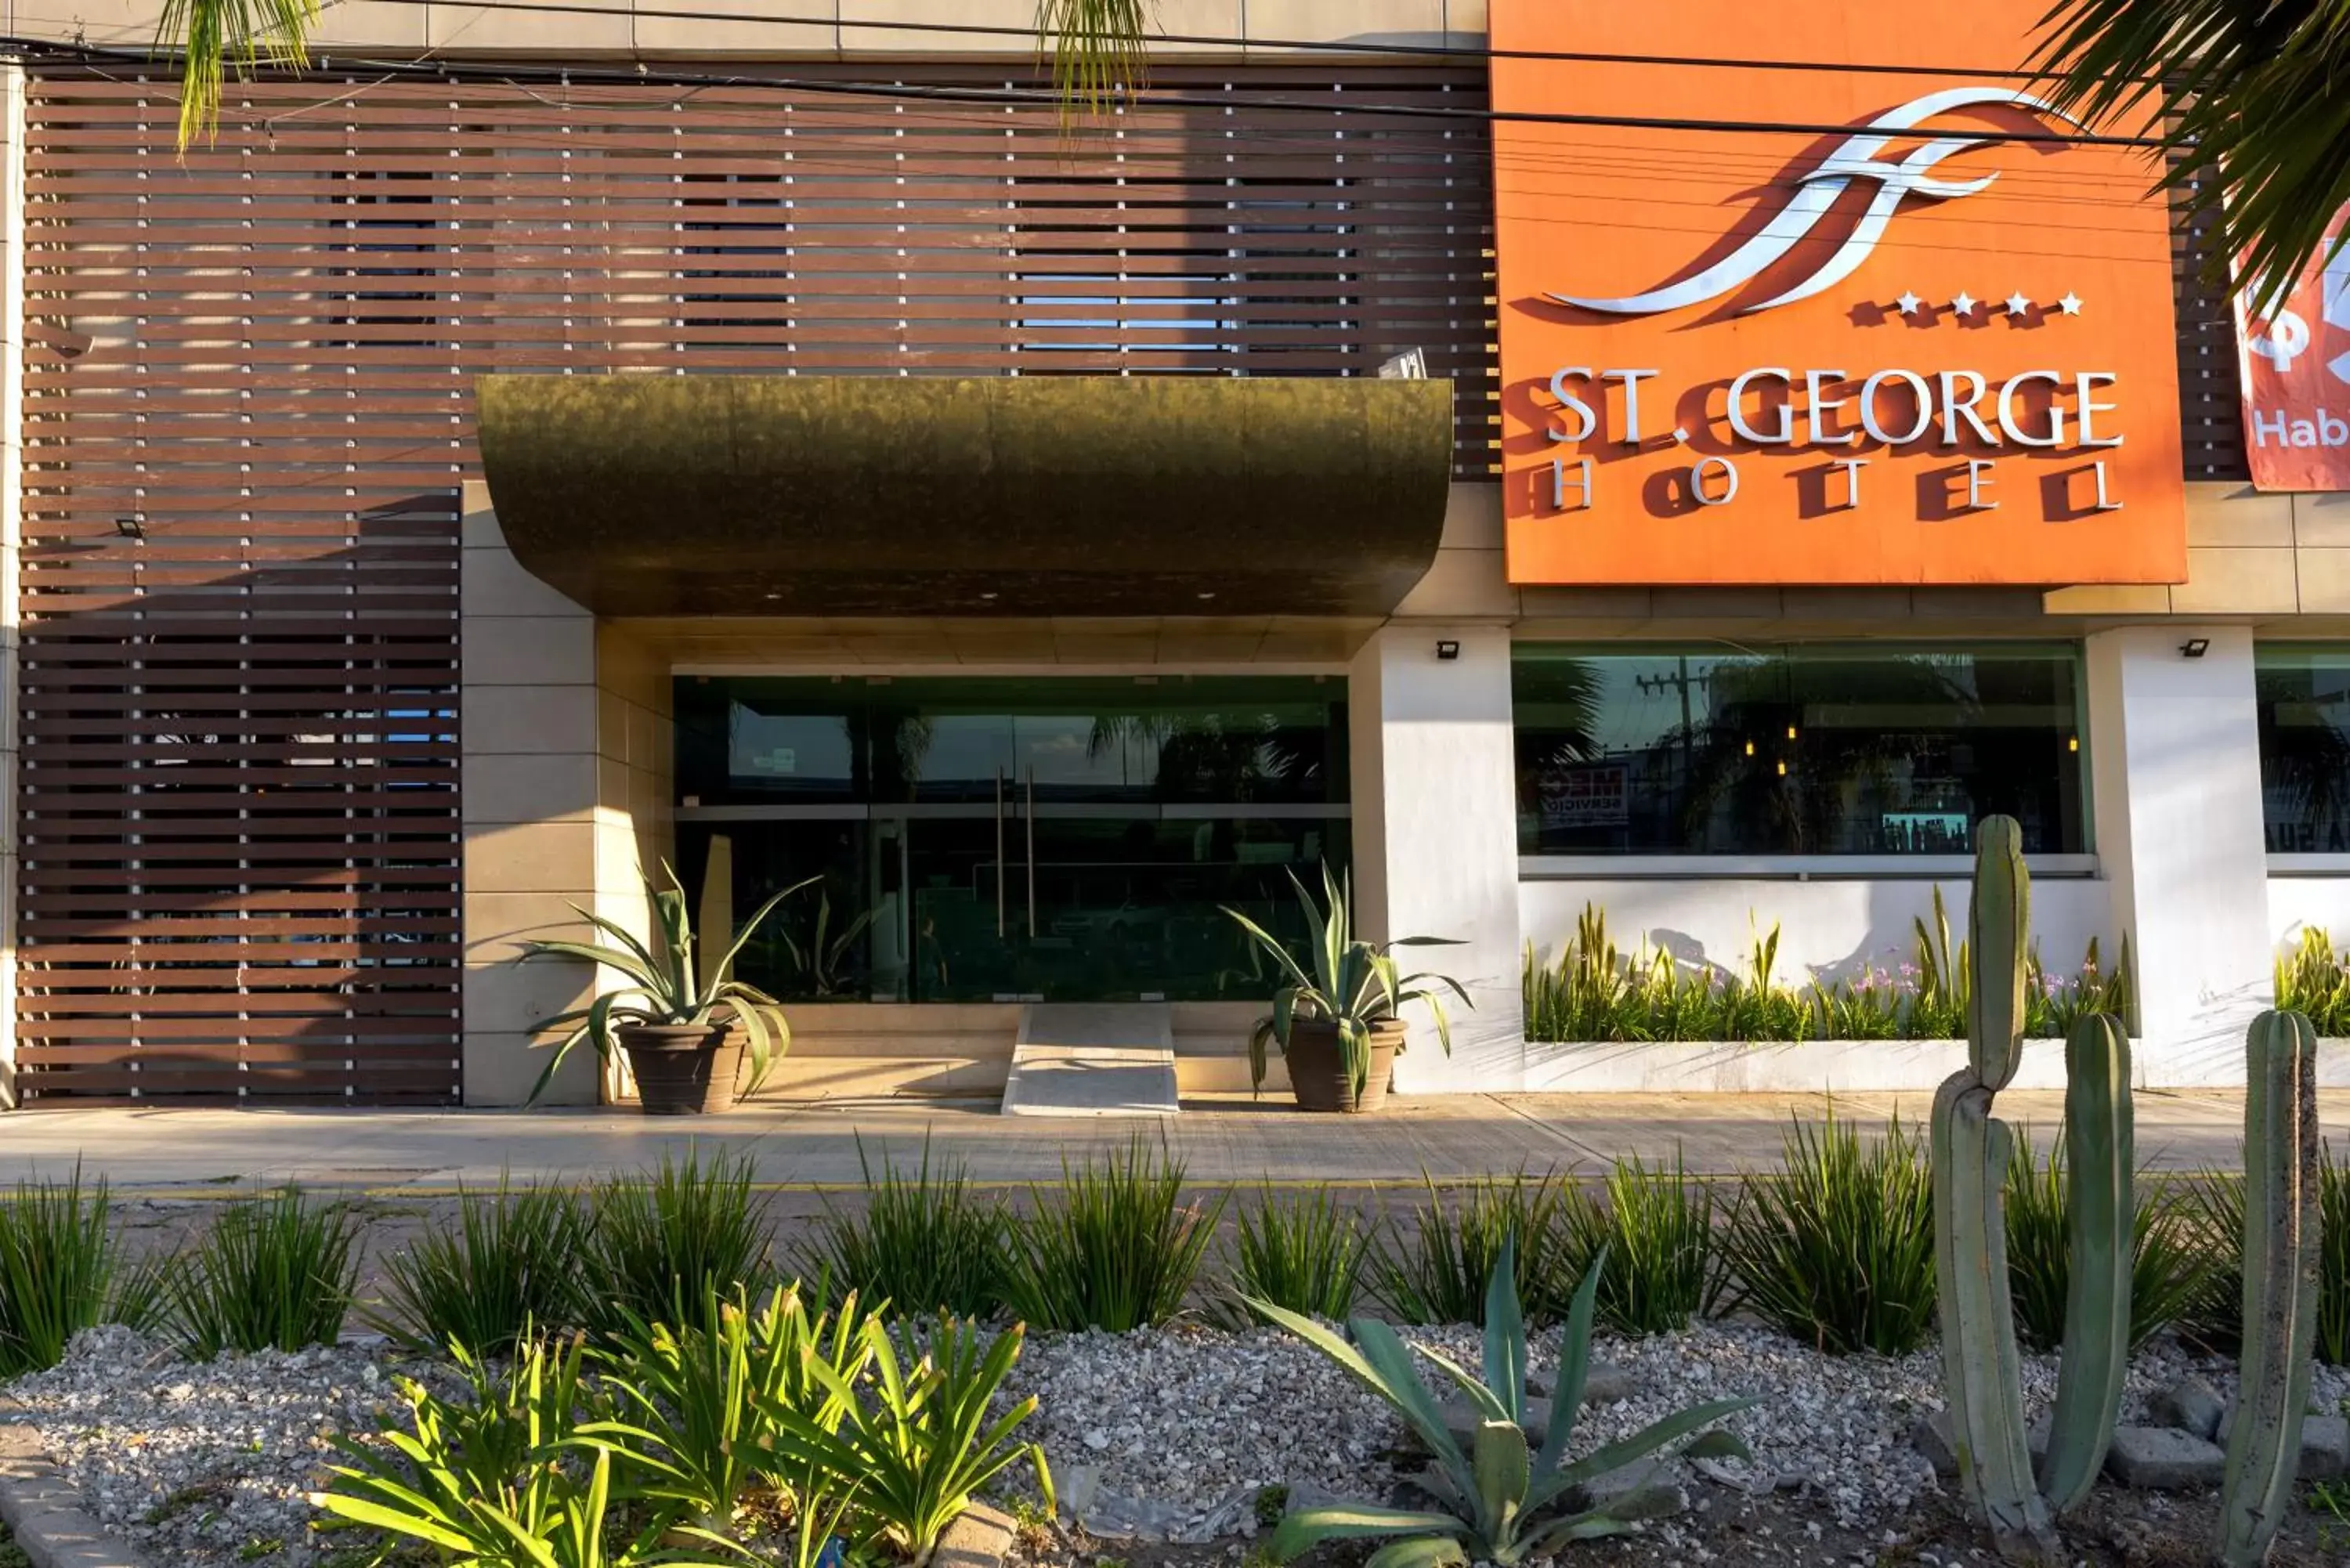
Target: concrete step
[(1073, 1059)]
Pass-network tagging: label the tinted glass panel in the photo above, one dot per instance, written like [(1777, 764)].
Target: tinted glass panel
[(1842, 750), (994, 839), (2304, 719), (1177, 739)]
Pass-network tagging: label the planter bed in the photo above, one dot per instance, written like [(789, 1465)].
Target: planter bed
[(1163, 1440), (1860, 1066)]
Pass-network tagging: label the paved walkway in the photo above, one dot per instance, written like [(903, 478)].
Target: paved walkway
[(814, 1144)]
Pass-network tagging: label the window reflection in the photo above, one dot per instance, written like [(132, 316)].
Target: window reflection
[(2304, 696), (1796, 750)]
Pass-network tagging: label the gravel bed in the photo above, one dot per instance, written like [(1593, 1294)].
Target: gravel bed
[(1170, 1432), (205, 1464)]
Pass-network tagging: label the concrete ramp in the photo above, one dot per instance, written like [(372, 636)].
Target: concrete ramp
[(1093, 1059)]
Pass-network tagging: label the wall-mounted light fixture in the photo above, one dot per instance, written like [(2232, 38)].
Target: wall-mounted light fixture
[(130, 528), (1446, 649), (2195, 647)]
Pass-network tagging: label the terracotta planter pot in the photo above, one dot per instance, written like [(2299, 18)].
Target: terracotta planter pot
[(1317, 1065), (683, 1070)]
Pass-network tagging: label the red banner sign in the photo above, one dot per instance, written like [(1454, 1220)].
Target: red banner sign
[(2296, 378)]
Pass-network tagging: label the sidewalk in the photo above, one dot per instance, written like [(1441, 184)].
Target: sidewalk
[(813, 1144)]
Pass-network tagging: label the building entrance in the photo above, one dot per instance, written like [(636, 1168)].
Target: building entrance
[(980, 839)]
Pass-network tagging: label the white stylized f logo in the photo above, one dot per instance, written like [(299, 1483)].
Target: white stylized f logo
[(1857, 159)]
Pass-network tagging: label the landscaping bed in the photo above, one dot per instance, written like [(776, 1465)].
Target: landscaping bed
[(1176, 1426), (1163, 1442)]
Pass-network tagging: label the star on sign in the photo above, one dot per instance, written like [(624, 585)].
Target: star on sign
[(1908, 303), (2017, 305), (2070, 305), (1963, 303)]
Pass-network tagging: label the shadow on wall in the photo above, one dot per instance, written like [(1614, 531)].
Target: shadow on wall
[(1828, 930), (240, 869)]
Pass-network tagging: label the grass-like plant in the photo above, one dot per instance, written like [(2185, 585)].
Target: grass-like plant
[(1593, 991), (1116, 1249), (1503, 1500), (2168, 1268), (513, 1262), (926, 1242), (507, 1477), (658, 1244), (916, 1440), (274, 1273), (62, 1270), (1303, 1251), (2214, 1318), (1655, 1227), (1437, 1269), (2313, 979), (1835, 1248), (2333, 1258), (697, 1402)]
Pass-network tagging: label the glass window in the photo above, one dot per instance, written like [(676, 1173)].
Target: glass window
[(1838, 749), (2304, 720)]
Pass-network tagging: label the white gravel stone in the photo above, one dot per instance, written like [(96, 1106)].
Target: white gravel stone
[(198, 1464)]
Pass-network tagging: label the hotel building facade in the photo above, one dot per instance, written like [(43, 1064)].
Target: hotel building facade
[(543, 442)]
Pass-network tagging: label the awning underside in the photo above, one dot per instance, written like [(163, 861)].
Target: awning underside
[(798, 495)]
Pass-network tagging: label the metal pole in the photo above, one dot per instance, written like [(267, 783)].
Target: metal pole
[(999, 851), (1032, 852)]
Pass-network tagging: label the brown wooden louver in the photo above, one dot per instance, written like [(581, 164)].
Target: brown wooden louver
[(744, 495)]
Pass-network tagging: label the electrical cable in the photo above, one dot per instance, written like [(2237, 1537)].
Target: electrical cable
[(643, 75)]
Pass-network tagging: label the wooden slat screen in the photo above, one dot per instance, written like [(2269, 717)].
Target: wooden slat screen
[(2211, 395), (241, 869)]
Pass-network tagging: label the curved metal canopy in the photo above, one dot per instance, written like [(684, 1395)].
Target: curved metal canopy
[(840, 495)]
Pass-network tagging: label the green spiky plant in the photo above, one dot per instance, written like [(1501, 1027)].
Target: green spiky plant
[(668, 983), (2282, 1240), (1973, 1151), (1504, 1500), (1354, 983)]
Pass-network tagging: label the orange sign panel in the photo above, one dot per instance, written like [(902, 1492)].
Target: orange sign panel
[(2296, 376), (1893, 325)]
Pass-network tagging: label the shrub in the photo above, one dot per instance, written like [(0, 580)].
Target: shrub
[(2168, 1267), (2213, 1202), (655, 1246), (1437, 1272), (1116, 1250), (1656, 1229), (1304, 1252), (509, 1477), (62, 1271), (1595, 992), (1836, 1247), (274, 1273), (2313, 981), (697, 1401), (910, 1450), (928, 1242), (1500, 1499), (511, 1262)]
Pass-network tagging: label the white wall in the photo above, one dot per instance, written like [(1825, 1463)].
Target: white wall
[(1435, 837), (2296, 903), (2176, 774), (1827, 929)]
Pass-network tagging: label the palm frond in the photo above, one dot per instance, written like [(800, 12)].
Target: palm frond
[(216, 35), (2243, 96), (1097, 51)]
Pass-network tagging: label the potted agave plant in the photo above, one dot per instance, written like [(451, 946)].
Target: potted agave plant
[(686, 1026), (1338, 1026)]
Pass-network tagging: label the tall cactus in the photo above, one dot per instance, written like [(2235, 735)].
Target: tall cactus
[(2281, 1275), (1982, 1374)]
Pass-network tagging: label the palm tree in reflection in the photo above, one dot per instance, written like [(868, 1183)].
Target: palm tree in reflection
[(1202, 756)]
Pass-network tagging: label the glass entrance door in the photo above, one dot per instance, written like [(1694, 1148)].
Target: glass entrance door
[(990, 840)]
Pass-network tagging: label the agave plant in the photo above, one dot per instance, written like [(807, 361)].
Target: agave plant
[(667, 986), (1503, 1501), (1353, 985)]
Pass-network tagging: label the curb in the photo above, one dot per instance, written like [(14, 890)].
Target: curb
[(45, 1511)]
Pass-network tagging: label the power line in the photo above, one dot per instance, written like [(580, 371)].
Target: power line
[(1300, 45), (643, 75)]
